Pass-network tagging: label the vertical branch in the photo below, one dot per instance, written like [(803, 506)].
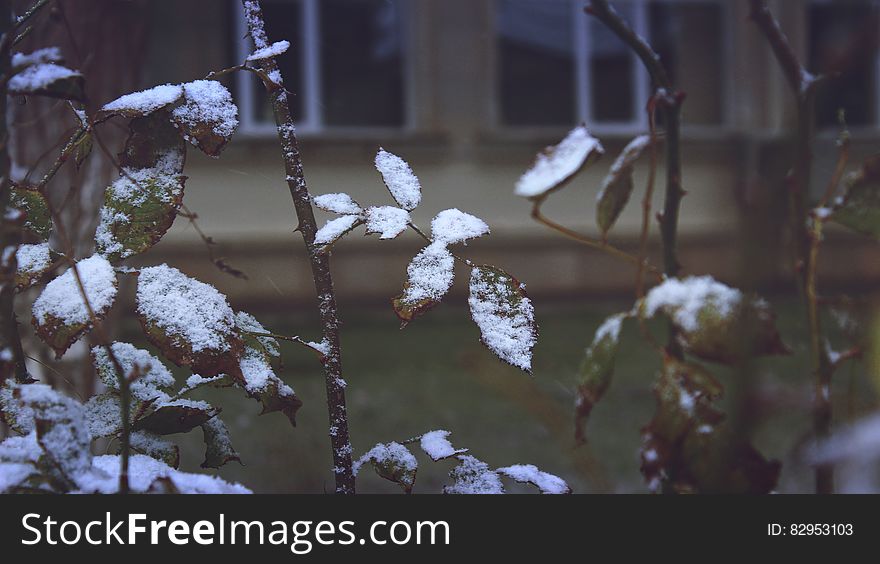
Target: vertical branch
[(320, 260), (806, 241)]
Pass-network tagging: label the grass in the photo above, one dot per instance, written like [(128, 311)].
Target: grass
[(436, 375)]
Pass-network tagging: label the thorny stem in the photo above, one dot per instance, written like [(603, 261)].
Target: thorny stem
[(806, 240), (320, 261)]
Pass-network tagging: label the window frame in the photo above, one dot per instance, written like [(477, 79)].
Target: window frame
[(309, 34), (581, 59)]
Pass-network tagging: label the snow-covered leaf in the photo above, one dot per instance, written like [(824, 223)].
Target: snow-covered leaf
[(429, 277), (146, 474), (153, 380), (454, 226), (142, 203), (189, 321), (437, 445), (400, 180), (218, 447), (38, 221), (13, 413), (259, 381), (142, 103), (103, 416), (472, 476), (269, 51), (208, 117), (618, 184), (504, 313), (392, 461), (338, 203), (33, 261), (716, 322), (557, 164), (48, 79), (20, 457), (530, 474), (254, 334), (176, 416), (596, 371), (60, 313), (154, 446), (859, 208), (386, 221), (334, 229)]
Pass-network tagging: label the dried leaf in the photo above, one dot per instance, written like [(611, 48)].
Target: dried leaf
[(259, 381), (218, 447), (429, 277), (208, 117), (859, 208), (557, 164), (179, 416), (392, 461), (503, 312), (596, 371), (618, 185)]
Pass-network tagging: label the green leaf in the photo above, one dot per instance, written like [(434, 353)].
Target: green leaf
[(503, 312), (596, 371), (218, 447), (557, 164), (392, 461), (429, 277), (154, 446), (38, 221), (618, 185), (140, 206), (859, 208), (178, 416)]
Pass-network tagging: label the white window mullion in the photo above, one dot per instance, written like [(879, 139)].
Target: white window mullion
[(641, 79), (244, 81), (582, 56), (312, 76)]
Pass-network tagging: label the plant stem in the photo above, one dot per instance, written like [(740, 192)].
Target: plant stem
[(320, 261), (806, 241)]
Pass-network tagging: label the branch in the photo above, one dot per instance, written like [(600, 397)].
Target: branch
[(797, 76), (320, 261)]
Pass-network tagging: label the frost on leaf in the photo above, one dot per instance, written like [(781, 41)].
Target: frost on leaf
[(503, 312), (145, 102), (208, 117), (218, 447), (400, 180), (386, 221), (38, 222), (48, 79), (392, 461), (596, 371), (60, 313), (176, 416), (859, 208), (429, 277), (716, 322), (152, 380), (454, 226), (472, 476), (142, 203), (334, 229), (189, 321), (437, 445), (338, 203), (688, 448), (530, 474), (618, 185), (154, 446), (557, 164), (33, 261)]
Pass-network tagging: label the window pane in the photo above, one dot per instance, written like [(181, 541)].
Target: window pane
[(283, 21), (689, 37), (362, 63), (611, 80), (843, 40), (536, 79)]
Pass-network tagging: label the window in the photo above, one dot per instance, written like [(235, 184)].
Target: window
[(557, 65), (843, 43), (345, 66)]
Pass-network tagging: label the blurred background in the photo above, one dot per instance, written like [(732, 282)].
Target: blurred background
[(467, 91)]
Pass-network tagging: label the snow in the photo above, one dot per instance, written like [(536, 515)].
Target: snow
[(473, 476), (277, 48), (195, 380), (558, 163), (626, 159), (610, 327), (454, 226), (337, 203), (393, 454), (437, 446), (387, 221), (822, 213), (249, 324), (207, 102), (44, 55), (185, 308), (150, 444), (143, 471), (20, 417), (32, 259), (103, 416), (188, 403), (683, 299), (529, 473), (506, 320), (146, 101), (62, 300), (400, 179), (63, 435), (430, 274), (258, 374), (38, 77), (153, 375), (335, 228)]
